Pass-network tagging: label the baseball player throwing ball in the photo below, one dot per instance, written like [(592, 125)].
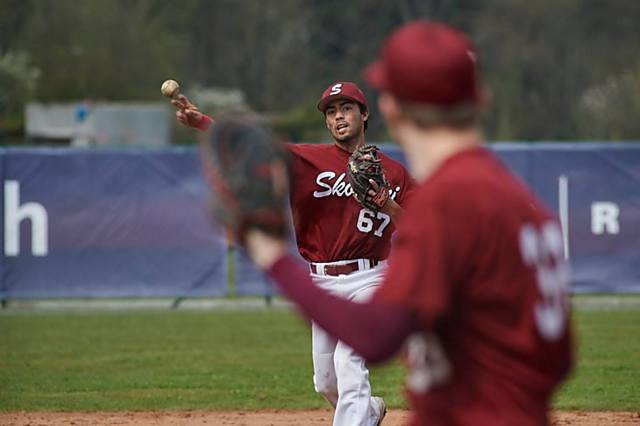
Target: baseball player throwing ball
[(476, 289), (343, 221)]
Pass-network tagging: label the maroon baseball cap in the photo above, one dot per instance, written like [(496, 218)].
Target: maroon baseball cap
[(427, 62), (342, 90)]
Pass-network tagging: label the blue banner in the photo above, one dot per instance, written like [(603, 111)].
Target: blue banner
[(594, 189), (94, 223), (135, 222)]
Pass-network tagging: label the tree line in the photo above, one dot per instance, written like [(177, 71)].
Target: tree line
[(556, 69)]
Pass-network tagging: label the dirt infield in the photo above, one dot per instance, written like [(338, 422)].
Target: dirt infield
[(265, 418)]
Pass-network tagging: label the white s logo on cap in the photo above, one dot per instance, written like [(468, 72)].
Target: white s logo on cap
[(337, 88)]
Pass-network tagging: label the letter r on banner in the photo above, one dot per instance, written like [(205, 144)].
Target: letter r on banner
[(604, 218)]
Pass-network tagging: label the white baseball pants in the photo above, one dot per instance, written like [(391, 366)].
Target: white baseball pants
[(339, 374)]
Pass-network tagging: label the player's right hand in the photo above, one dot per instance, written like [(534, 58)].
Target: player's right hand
[(190, 118), (186, 112)]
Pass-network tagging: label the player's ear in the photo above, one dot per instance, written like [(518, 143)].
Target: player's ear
[(365, 115)]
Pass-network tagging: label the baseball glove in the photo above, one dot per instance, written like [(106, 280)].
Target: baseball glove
[(248, 171), (364, 165)]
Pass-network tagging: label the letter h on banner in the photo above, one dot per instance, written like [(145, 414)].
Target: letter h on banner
[(14, 213)]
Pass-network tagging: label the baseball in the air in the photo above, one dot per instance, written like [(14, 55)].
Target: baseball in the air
[(170, 88)]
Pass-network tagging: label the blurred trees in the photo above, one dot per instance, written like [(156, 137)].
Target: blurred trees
[(101, 49), (557, 69), (542, 58)]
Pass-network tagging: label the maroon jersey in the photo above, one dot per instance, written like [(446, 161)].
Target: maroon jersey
[(330, 225), (479, 262)]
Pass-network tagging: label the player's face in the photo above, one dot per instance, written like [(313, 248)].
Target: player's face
[(344, 120)]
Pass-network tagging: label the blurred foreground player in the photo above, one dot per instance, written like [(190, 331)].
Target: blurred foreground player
[(345, 243), (476, 289)]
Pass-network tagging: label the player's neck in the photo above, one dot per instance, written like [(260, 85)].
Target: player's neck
[(427, 149), (351, 144)]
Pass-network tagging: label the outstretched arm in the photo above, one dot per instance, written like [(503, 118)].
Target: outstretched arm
[(375, 330)]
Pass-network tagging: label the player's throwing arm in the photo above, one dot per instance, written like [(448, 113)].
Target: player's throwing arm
[(186, 112)]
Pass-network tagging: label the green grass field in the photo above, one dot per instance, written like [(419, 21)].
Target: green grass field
[(241, 360)]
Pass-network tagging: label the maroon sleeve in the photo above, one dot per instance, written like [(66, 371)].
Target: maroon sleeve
[(373, 329), (205, 122)]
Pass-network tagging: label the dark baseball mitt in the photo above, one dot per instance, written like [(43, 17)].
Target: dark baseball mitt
[(248, 171), (365, 165)]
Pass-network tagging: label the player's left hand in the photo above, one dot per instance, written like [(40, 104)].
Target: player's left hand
[(363, 167)]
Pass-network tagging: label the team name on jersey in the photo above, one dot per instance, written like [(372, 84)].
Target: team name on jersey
[(339, 187)]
